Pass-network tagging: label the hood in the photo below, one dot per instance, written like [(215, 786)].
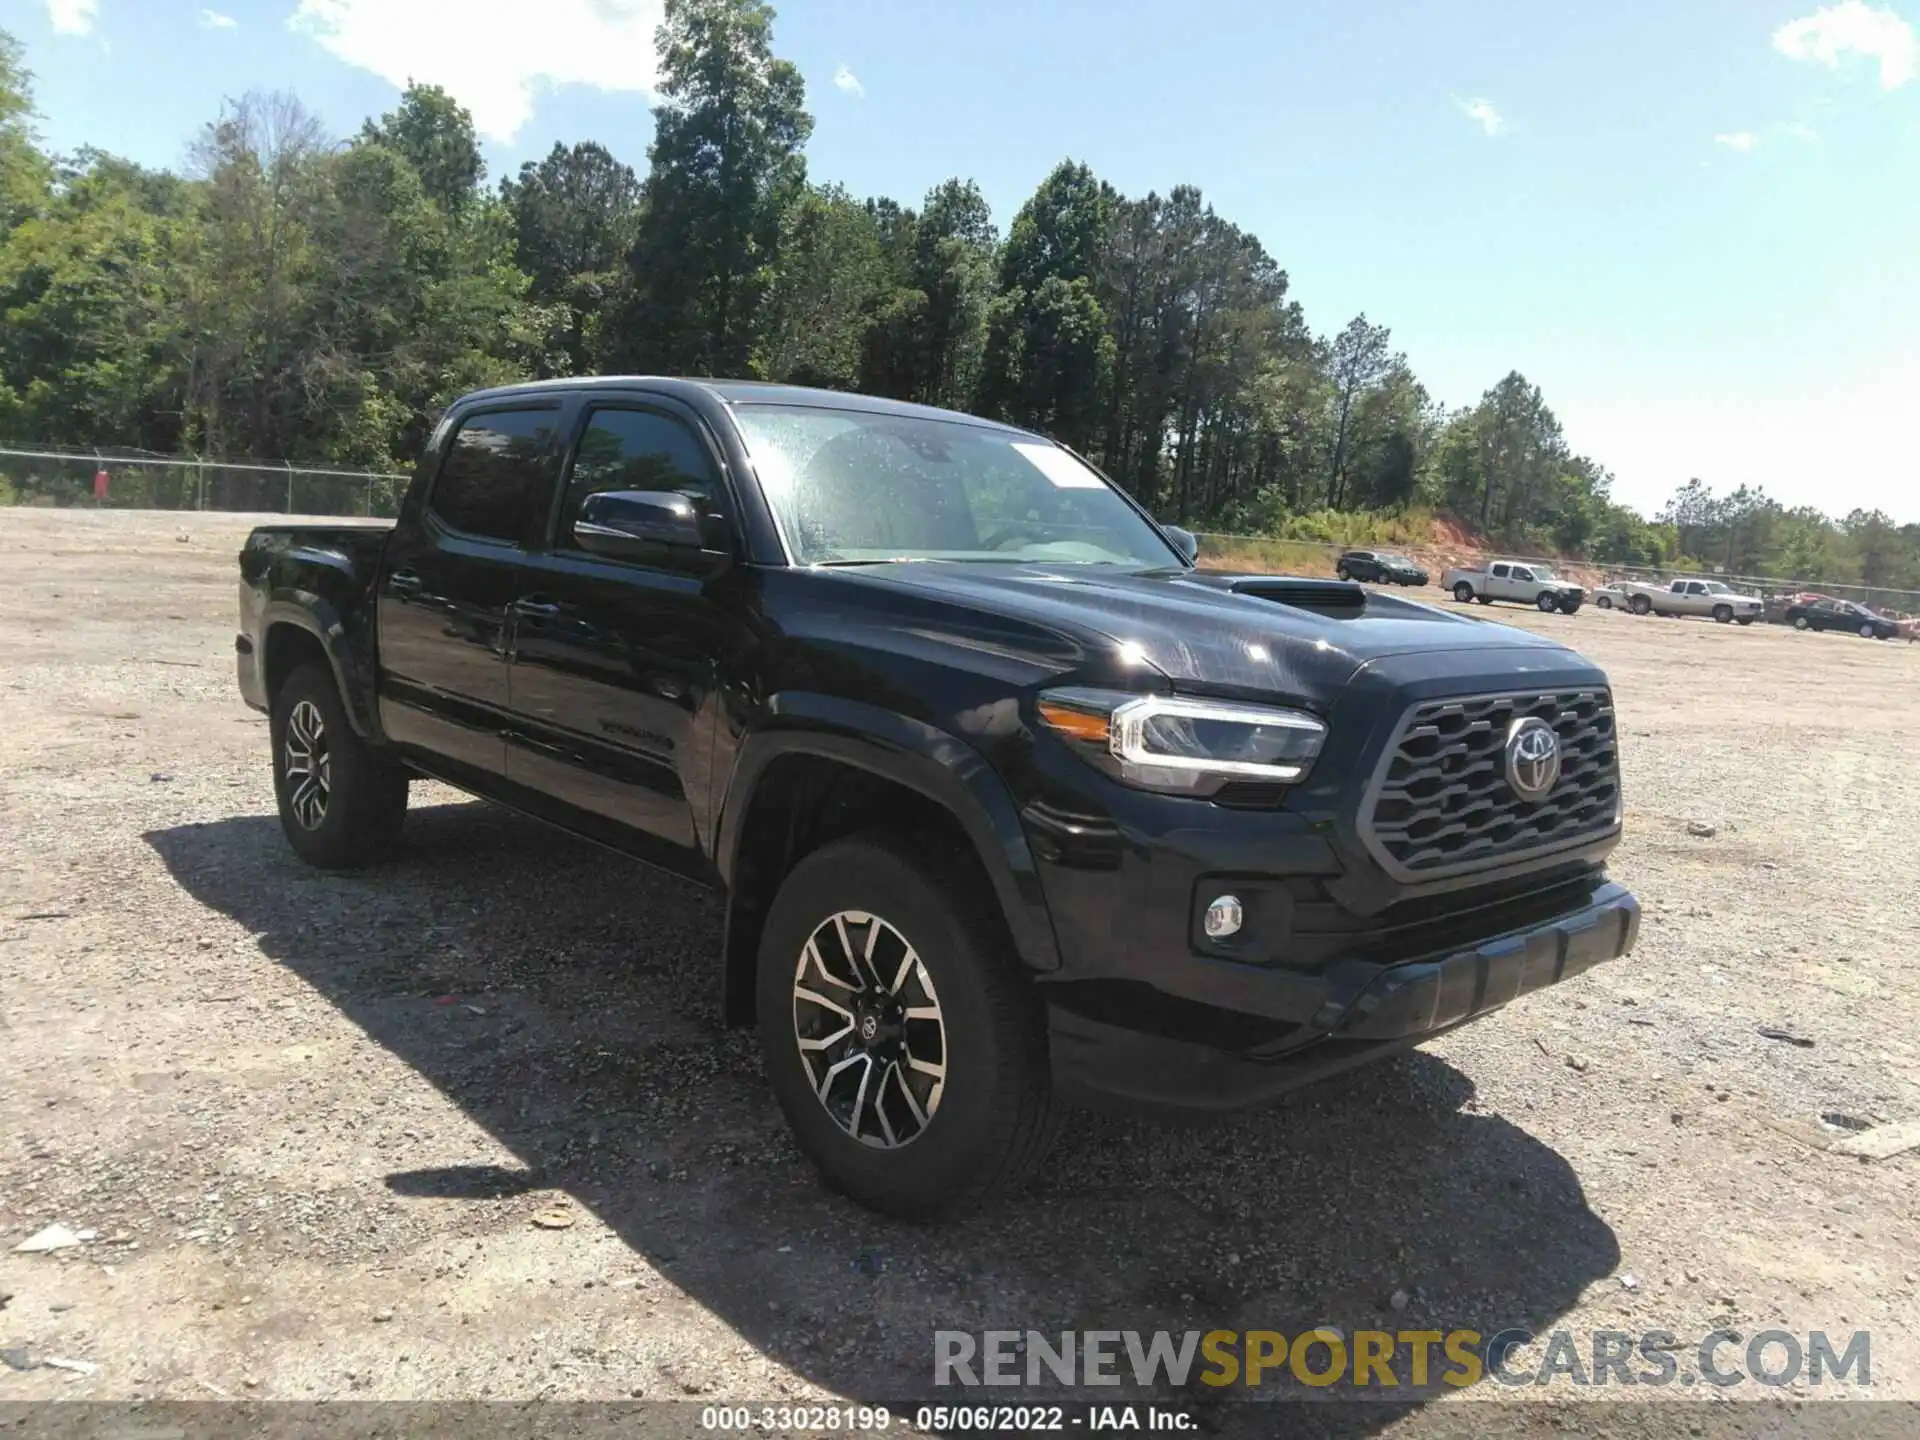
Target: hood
[(1202, 629)]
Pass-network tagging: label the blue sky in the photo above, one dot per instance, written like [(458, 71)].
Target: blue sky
[(1693, 222)]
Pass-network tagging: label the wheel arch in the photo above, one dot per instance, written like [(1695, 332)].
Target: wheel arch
[(305, 627), (828, 769)]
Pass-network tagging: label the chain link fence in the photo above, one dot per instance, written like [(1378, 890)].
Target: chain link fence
[(131, 481)]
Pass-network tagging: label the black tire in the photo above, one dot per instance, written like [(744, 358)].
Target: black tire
[(1640, 604), (361, 795), (988, 1126), (1745, 620), (1570, 605), (1723, 614), (1605, 602), (1342, 574), (1800, 622), (1463, 592), (1867, 632), (1546, 602)]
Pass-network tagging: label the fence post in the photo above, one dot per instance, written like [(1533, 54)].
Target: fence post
[(289, 485)]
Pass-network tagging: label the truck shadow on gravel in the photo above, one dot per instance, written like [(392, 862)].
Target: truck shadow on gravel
[(566, 1000)]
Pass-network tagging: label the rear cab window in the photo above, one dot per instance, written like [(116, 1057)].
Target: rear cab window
[(494, 476)]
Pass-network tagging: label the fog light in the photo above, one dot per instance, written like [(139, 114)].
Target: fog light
[(1224, 917)]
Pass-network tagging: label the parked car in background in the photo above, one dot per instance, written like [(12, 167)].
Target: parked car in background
[(1691, 597), (1529, 584), (1830, 614), (1379, 567), (1612, 595)]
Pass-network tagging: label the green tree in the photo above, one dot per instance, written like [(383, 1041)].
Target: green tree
[(833, 273), (726, 171), (1049, 347), (435, 134), (24, 171), (575, 216)]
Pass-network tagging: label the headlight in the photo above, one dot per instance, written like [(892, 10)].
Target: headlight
[(1181, 745)]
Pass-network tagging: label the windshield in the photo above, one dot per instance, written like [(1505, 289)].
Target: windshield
[(852, 486), (1396, 560), (1714, 587)]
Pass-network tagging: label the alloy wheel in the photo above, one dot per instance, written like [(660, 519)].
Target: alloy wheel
[(869, 1027), (307, 765)]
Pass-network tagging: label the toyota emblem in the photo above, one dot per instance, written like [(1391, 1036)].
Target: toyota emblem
[(1533, 758)]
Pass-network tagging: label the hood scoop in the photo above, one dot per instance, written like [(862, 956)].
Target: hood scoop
[(1328, 597)]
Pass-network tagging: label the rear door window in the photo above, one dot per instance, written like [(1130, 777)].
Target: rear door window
[(495, 474)]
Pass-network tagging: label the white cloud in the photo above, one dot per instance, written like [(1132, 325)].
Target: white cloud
[(1853, 27), (72, 17), (497, 54), (1801, 131), (1483, 114), (214, 20), (1742, 140), (846, 80)]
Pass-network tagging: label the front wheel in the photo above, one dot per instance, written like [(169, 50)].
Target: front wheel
[(1547, 602), (1343, 574), (1866, 632), (1463, 592), (1802, 623), (1605, 602), (341, 802), (1723, 614), (908, 1053)]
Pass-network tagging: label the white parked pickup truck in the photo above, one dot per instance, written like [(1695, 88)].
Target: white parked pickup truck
[(1529, 584), (1689, 597)]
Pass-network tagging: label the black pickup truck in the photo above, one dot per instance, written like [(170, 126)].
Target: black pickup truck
[(1009, 803)]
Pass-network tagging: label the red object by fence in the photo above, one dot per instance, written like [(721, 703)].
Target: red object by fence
[(100, 483)]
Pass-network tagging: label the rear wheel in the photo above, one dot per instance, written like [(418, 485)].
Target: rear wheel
[(1866, 632), (908, 1053), (341, 802), (1746, 619), (1723, 614), (1640, 605), (1569, 605), (1605, 602), (1463, 592)]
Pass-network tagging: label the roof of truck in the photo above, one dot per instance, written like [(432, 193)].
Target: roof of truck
[(746, 392)]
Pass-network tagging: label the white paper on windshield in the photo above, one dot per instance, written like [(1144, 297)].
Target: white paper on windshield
[(1065, 472)]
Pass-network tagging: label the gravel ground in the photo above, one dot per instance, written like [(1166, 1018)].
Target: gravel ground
[(316, 1121)]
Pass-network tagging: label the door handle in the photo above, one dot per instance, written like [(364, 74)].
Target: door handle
[(404, 582), (538, 607)]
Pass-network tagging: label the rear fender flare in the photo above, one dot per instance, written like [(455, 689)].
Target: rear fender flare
[(304, 610)]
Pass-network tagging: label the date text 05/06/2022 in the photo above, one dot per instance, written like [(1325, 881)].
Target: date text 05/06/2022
[(866, 1420)]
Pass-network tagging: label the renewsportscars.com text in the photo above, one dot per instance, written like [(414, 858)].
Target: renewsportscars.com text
[(1377, 1361)]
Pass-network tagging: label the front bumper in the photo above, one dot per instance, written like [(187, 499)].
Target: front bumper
[(1361, 1011)]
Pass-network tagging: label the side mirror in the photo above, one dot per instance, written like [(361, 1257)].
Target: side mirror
[(1185, 541), (640, 524)]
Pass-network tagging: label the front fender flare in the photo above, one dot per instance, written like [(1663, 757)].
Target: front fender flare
[(921, 757)]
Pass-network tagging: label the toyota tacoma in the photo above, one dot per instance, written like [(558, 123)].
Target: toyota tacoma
[(1010, 805)]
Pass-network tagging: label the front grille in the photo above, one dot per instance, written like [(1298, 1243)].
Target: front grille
[(1440, 803)]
